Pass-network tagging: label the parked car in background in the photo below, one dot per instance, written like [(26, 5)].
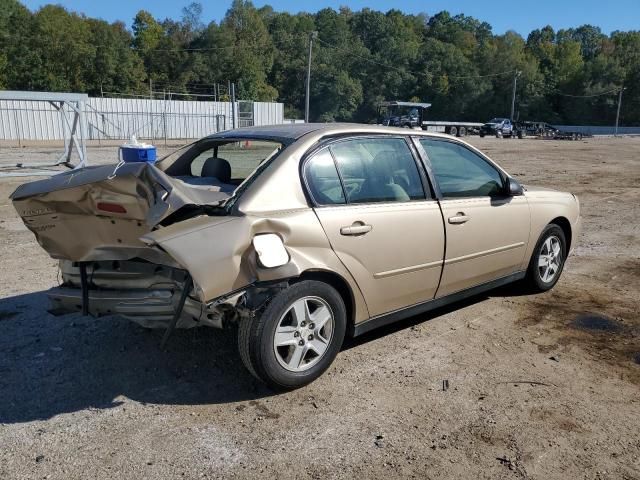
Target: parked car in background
[(501, 127), (315, 232)]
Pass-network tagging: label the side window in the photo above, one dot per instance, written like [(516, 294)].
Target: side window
[(378, 170), (460, 172), (322, 179)]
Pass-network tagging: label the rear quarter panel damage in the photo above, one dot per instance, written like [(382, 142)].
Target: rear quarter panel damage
[(219, 255)]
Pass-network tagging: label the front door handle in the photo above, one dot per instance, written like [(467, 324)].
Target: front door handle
[(458, 218), (357, 228)]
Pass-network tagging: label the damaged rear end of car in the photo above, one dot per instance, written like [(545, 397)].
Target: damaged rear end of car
[(93, 220)]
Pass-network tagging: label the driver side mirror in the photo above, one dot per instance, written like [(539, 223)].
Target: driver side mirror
[(515, 188)]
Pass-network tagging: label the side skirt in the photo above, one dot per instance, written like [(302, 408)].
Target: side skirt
[(429, 305)]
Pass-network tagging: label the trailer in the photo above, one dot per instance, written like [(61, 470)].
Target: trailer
[(545, 131), (413, 115), (457, 129)]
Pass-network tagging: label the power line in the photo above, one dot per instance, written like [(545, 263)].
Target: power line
[(207, 49), (390, 67), (402, 70), (507, 72), (608, 92), (203, 49)]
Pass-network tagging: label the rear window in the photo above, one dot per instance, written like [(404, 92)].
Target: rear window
[(243, 157)]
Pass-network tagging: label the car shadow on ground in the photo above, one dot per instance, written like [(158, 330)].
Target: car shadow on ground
[(52, 365), (510, 290)]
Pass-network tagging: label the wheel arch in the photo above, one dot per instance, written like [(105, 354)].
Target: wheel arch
[(341, 286), (565, 225)]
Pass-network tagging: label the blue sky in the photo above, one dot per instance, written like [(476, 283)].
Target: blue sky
[(503, 15)]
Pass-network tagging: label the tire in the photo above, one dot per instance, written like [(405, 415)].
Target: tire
[(453, 131), (462, 132), (539, 278), (498, 133), (481, 134), (278, 367)]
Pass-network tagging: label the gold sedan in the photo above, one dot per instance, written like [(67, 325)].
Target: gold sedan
[(296, 235)]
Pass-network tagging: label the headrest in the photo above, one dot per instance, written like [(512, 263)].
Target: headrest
[(217, 167), (381, 165)]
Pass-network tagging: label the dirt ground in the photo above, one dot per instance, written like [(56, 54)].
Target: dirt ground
[(540, 386)]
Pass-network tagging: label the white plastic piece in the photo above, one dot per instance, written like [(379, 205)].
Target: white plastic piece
[(135, 143), (270, 250)]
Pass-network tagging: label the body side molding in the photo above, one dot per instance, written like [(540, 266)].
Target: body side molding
[(429, 305)]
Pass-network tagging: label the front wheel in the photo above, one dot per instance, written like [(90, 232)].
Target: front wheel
[(297, 336), (547, 260)]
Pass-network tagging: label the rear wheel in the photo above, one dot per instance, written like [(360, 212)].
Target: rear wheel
[(547, 260), (462, 132), (297, 336), (453, 131)]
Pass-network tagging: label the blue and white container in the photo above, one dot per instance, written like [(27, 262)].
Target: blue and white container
[(135, 151)]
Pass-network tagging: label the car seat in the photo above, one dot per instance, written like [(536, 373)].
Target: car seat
[(378, 184), (218, 168)]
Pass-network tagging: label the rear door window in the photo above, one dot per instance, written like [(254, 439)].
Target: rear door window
[(378, 170)]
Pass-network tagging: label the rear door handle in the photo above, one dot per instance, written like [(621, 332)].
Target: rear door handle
[(458, 218), (358, 228)]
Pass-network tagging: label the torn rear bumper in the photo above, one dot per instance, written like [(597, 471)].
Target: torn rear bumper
[(151, 308)]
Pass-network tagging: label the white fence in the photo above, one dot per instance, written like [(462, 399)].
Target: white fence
[(119, 118)]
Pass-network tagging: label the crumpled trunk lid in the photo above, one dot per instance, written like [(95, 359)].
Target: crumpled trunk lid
[(100, 213)]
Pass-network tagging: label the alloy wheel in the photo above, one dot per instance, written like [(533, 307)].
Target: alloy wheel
[(303, 334), (550, 259)]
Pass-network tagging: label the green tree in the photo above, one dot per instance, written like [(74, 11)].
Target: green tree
[(359, 58), (116, 67), (62, 40)]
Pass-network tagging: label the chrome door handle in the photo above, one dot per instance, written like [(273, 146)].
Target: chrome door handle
[(358, 228), (458, 218)]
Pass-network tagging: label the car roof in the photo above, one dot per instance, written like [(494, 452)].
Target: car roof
[(289, 133), (285, 132)]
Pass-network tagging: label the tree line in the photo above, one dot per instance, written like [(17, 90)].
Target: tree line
[(569, 76)]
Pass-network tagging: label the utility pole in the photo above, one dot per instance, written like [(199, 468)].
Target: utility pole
[(513, 96), (312, 35), (150, 89), (233, 104), (618, 112)]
